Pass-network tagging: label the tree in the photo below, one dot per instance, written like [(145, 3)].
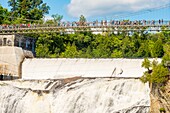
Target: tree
[(146, 64), (144, 50), (158, 75), (82, 20), (4, 15), (117, 54), (158, 49), (70, 52), (42, 51), (57, 18), (127, 47), (90, 45), (49, 22), (28, 9), (166, 56)]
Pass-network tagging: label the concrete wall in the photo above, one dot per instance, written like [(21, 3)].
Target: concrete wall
[(63, 68), (11, 59)]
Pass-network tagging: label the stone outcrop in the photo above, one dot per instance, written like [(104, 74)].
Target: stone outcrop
[(160, 99)]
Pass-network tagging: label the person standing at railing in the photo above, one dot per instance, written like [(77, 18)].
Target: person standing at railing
[(101, 22), (112, 22), (94, 23), (159, 22), (29, 25), (97, 22), (68, 24), (153, 22), (105, 22), (162, 21), (73, 24)]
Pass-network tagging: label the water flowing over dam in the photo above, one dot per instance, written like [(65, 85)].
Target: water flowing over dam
[(75, 95), (64, 68), (75, 86)]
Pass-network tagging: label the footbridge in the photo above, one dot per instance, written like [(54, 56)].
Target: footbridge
[(72, 27)]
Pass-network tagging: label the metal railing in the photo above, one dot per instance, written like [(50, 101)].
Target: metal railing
[(87, 26)]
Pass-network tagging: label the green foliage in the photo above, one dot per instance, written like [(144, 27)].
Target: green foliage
[(162, 110), (146, 77), (4, 13), (158, 49), (48, 22), (27, 10), (57, 18), (70, 52), (42, 50), (146, 64), (88, 45), (82, 20), (157, 75), (166, 56), (117, 54), (49, 45)]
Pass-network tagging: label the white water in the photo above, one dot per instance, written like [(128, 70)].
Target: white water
[(100, 95)]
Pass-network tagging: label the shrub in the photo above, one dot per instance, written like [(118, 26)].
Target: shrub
[(162, 110)]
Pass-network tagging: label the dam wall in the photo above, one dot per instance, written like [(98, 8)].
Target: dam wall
[(65, 68)]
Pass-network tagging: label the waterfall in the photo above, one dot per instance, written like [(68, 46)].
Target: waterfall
[(85, 95)]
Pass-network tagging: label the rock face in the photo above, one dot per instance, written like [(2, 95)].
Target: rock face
[(75, 95), (160, 99)]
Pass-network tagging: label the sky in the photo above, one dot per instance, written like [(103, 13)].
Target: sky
[(107, 9)]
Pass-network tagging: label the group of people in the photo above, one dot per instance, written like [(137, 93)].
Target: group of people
[(94, 23), (127, 22)]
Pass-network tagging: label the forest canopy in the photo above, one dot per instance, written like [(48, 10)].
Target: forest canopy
[(88, 45)]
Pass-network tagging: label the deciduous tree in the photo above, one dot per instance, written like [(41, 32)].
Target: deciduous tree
[(28, 10)]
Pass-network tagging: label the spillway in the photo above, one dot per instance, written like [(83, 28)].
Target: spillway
[(82, 95), (64, 68), (77, 86)]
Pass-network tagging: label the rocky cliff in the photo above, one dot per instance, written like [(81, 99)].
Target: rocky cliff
[(160, 99)]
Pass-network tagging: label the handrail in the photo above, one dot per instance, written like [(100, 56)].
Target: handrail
[(88, 24)]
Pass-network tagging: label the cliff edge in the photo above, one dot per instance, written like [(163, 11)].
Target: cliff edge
[(160, 99)]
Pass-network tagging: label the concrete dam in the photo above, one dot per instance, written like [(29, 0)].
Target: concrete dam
[(75, 86), (64, 68)]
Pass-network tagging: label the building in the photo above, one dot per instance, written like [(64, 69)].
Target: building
[(26, 43), (13, 50)]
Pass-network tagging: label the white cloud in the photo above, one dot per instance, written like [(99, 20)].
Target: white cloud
[(91, 8)]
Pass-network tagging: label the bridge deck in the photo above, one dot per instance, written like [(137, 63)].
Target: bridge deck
[(88, 28)]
